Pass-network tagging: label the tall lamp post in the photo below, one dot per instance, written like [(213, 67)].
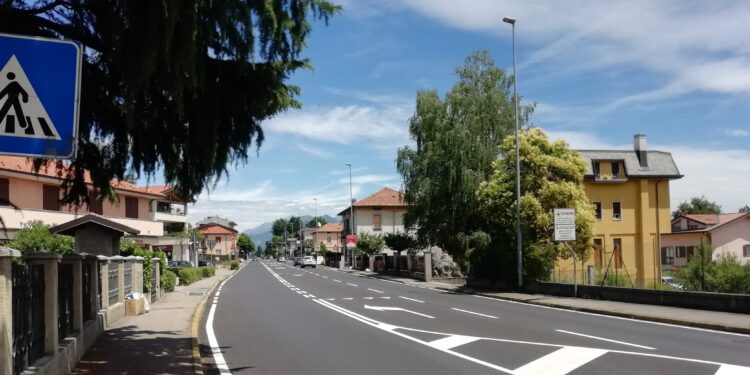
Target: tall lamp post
[(351, 212), (519, 239)]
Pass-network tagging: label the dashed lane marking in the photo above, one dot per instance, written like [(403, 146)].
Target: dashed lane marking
[(410, 299), (375, 290), (475, 313), (608, 340)]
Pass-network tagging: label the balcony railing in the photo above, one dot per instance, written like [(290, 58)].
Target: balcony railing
[(610, 178), (171, 210)]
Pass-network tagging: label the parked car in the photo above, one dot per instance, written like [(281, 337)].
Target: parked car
[(179, 263), (671, 281), (205, 263), (308, 261), (282, 259)]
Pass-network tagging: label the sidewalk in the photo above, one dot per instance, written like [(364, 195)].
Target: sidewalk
[(158, 342), (723, 321)]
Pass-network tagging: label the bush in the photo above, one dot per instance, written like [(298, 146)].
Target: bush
[(613, 280), (234, 265), (189, 275), (35, 236), (208, 271), (168, 282)]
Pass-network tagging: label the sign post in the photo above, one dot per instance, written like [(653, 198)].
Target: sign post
[(565, 230), (40, 80), (351, 243)]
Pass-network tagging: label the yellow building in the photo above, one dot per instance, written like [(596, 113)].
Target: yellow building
[(630, 192)]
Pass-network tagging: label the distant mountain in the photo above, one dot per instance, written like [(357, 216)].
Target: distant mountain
[(262, 232)]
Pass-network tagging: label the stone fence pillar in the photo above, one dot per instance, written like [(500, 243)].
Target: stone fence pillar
[(120, 276), (138, 275), (92, 264), (76, 261), (50, 263), (427, 266), (6, 309), (103, 296), (156, 272)]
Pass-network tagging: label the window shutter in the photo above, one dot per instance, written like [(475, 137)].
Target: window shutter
[(51, 198), (4, 192), (95, 205), (131, 207)]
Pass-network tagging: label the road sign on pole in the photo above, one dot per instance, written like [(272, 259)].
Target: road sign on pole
[(351, 241), (565, 224), (40, 81)]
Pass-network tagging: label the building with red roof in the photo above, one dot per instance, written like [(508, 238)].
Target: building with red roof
[(727, 234)]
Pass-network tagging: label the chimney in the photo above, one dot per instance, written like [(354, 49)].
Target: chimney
[(641, 149)]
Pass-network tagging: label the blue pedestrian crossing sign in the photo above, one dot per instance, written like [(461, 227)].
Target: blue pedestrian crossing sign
[(40, 81)]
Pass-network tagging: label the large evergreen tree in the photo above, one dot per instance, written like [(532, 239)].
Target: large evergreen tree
[(456, 140), (179, 86), (697, 205)]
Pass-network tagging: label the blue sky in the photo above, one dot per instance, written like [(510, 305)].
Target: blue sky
[(599, 72)]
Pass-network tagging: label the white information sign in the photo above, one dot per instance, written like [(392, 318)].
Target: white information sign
[(565, 224)]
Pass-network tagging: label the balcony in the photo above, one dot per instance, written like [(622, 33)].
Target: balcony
[(610, 178), (15, 218), (169, 213)]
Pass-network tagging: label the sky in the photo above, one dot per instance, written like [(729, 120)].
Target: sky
[(598, 72)]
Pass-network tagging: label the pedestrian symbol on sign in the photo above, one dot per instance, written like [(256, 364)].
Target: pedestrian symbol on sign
[(21, 112)]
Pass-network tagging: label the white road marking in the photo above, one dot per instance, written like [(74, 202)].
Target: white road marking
[(312, 296), (219, 360), (410, 299), (375, 290), (475, 313), (317, 274), (354, 285), (368, 297), (330, 299), (731, 370), (385, 297), (389, 308), (338, 281), (307, 296), (560, 362), (348, 298), (325, 277), (451, 342), (608, 340)]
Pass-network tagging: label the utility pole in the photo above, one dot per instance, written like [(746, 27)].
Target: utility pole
[(351, 212)]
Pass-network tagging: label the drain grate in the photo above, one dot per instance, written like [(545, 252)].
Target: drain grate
[(195, 294)]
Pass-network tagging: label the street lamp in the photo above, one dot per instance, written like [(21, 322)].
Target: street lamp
[(519, 239), (351, 207), (316, 212)]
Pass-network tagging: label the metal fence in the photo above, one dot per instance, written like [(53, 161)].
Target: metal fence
[(99, 300), (403, 264), (64, 300), (86, 268), (128, 273), (114, 287), (154, 282), (28, 315), (388, 263)]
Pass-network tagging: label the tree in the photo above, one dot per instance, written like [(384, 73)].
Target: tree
[(697, 205), (279, 227), (399, 242), (314, 221), (293, 225), (723, 275), (245, 243), (35, 236), (745, 209), (370, 243), (456, 141), (551, 177), (165, 83)]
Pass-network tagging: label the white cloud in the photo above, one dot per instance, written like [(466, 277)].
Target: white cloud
[(369, 179), (737, 133), (706, 170), (346, 170), (314, 151)]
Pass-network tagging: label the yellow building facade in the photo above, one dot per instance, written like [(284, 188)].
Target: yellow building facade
[(630, 192)]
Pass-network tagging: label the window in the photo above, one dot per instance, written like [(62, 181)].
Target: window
[(4, 192), (596, 168), (598, 209), (681, 252), (95, 205), (667, 255), (617, 252), (746, 251), (328, 238), (598, 252), (616, 211), (218, 239), (51, 198), (377, 222), (131, 207), (690, 252), (615, 169)]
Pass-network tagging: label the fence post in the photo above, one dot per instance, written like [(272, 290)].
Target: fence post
[(75, 260), (156, 272), (427, 266), (138, 275), (92, 263), (120, 276), (6, 309), (50, 263), (103, 265)]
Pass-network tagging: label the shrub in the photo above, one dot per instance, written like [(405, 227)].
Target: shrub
[(613, 280), (208, 271), (167, 282), (35, 236), (189, 275), (234, 265)]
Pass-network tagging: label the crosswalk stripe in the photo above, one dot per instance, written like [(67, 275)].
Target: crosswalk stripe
[(732, 370), (561, 361), (450, 342)]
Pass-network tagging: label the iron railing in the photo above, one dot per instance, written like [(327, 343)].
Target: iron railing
[(128, 273), (86, 289), (28, 315), (99, 300), (114, 287), (65, 308)]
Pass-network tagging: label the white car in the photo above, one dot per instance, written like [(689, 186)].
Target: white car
[(308, 261), (282, 259)]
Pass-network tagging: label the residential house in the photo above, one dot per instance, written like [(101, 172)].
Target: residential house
[(380, 213), (630, 193), (217, 220), (727, 234), (154, 211), (218, 239), (329, 235)]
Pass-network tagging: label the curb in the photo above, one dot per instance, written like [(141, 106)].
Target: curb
[(687, 323), (197, 314)]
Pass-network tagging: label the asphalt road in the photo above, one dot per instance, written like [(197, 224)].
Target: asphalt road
[(271, 318)]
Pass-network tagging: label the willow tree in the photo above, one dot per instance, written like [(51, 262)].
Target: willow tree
[(456, 141), (551, 177), (173, 86)]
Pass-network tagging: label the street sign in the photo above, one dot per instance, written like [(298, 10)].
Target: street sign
[(40, 82), (565, 224), (351, 240)]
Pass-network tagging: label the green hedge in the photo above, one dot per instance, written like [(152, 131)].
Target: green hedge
[(189, 275), (208, 271), (167, 282), (234, 265)]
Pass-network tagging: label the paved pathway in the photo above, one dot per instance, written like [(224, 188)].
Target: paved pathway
[(158, 342)]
